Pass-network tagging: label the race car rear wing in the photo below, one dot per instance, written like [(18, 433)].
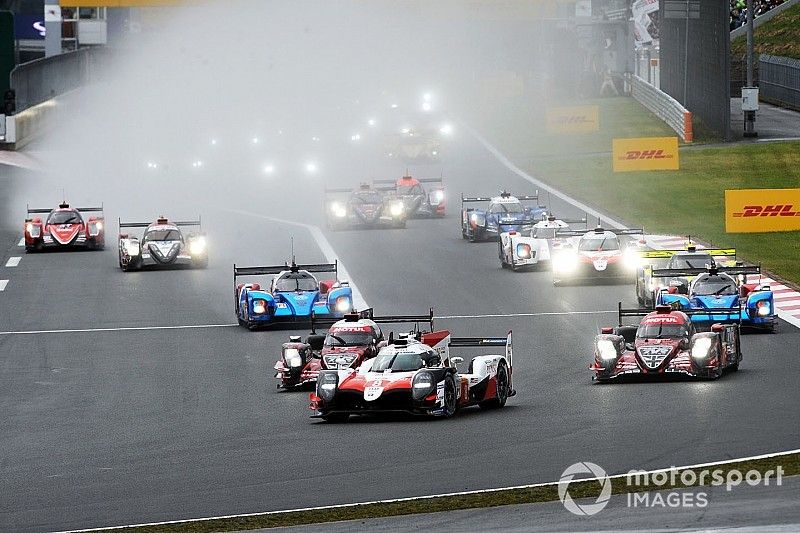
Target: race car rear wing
[(369, 314), (197, 222), (688, 272), (644, 311), (599, 230), (66, 206), (265, 270), (666, 254), (338, 190), (479, 342)]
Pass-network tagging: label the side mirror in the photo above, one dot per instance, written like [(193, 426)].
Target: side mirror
[(456, 360)]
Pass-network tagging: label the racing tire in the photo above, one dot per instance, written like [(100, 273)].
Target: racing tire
[(734, 367), (336, 418), (241, 322), (477, 235), (502, 389), (450, 400)]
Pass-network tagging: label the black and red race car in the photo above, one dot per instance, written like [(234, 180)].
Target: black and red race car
[(64, 228), (348, 343), (417, 200), (665, 343)]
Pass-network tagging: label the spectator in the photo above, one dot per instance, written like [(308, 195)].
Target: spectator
[(739, 10)]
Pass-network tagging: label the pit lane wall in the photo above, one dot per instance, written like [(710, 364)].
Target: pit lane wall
[(664, 107)]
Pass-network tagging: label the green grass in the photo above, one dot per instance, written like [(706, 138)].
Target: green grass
[(779, 36), (691, 201)]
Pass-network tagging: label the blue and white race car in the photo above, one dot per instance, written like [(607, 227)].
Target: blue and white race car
[(723, 288), (504, 213), (294, 295)]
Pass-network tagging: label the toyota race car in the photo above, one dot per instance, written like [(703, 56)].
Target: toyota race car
[(723, 292), (349, 342), (415, 374), (64, 228), (504, 213), (596, 254), (665, 343), (162, 245), (294, 295), (417, 201), (365, 207), (532, 245)]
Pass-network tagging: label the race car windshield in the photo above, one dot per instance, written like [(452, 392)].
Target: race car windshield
[(367, 198), (661, 331), (597, 244), (398, 362), (409, 189), (296, 281), (715, 286), (348, 338), (510, 208), (163, 235), (690, 261), (65, 217)]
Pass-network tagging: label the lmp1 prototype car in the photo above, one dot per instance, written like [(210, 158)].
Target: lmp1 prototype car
[(417, 201), (532, 245), (64, 228), (665, 343), (365, 207), (722, 292), (596, 254), (504, 213), (163, 245), (294, 295), (647, 286), (349, 343), (415, 374)]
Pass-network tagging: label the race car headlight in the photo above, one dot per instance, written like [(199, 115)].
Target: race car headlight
[(33, 230), (763, 308), (132, 248), (338, 210), (326, 385), (523, 251), (198, 246), (606, 350), (632, 259), (566, 261), (701, 348), (422, 385), (259, 307), (437, 196), (397, 209), (292, 357), (343, 304)]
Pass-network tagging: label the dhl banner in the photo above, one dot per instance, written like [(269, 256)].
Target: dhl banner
[(648, 153), (761, 210), (577, 119)]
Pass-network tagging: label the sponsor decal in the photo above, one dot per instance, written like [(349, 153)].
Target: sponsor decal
[(648, 153), (762, 210), (663, 319), (576, 119)]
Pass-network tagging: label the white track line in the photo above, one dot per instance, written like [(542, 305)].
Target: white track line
[(21, 241), (13, 261), (444, 495), (104, 330), (3, 283), (324, 246)]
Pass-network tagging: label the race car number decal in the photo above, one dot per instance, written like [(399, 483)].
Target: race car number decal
[(372, 393)]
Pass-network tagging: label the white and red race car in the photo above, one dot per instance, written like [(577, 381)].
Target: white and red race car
[(64, 228), (415, 374), (599, 254), (533, 245)]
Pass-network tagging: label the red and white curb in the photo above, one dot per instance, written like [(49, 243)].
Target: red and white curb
[(787, 300)]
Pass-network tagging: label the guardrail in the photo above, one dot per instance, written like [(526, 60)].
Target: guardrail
[(779, 80), (664, 107)]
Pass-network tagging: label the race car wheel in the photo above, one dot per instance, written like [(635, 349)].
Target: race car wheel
[(241, 322), (477, 235), (450, 401), (502, 389), (336, 418)]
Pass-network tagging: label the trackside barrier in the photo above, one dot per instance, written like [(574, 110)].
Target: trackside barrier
[(664, 107), (779, 80)]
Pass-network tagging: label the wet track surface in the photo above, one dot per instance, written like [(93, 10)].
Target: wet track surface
[(128, 426)]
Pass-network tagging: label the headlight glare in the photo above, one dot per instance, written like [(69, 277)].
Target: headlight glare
[(259, 307), (763, 308), (198, 246), (292, 357), (397, 209), (343, 304), (701, 348), (606, 350)]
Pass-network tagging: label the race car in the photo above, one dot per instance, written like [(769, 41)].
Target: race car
[(647, 286), (722, 291), (417, 201), (162, 245), (64, 228), (415, 145), (504, 213), (365, 207), (293, 296), (349, 342), (532, 245), (665, 343), (598, 254), (415, 374)]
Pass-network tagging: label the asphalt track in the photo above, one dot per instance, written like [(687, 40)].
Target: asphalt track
[(129, 426)]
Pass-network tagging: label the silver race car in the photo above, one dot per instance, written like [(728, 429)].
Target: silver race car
[(163, 245)]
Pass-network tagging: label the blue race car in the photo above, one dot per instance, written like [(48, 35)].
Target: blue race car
[(722, 288), (504, 213), (294, 295)]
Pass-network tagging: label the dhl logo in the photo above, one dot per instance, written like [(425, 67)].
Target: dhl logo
[(633, 155), (782, 210)]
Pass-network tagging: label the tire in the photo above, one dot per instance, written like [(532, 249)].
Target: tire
[(450, 400), (241, 322), (336, 418), (477, 235), (503, 386), (734, 367)]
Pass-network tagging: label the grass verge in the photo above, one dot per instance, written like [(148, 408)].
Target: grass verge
[(790, 464), (779, 36)]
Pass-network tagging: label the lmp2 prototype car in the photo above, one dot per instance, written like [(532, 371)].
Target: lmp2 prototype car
[(532, 245), (364, 207), (504, 213), (348, 343), (665, 343), (647, 286), (417, 201), (723, 292), (64, 228), (415, 374), (162, 245), (294, 295), (598, 254)]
